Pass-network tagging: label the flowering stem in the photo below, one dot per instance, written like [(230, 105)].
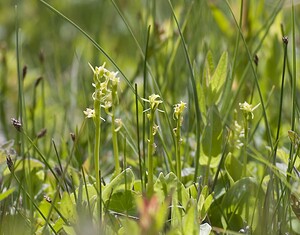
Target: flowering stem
[(245, 147), (114, 132), (177, 147), (97, 122), (150, 185)]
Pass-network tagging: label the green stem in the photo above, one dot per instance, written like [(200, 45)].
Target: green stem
[(97, 121), (177, 147), (245, 147), (150, 185), (114, 133)]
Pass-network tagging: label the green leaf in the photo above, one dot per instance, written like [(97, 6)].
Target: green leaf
[(119, 183), (190, 223), (69, 230), (242, 200), (67, 208), (231, 166), (6, 193), (221, 20), (212, 136), (123, 202), (209, 67), (219, 77), (204, 202), (166, 185)]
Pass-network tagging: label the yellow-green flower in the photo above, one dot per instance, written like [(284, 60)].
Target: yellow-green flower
[(89, 113), (178, 109), (248, 110), (154, 101)]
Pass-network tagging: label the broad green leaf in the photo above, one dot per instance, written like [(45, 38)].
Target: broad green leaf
[(192, 190), (209, 67), (69, 230), (58, 225), (222, 20), (129, 227), (176, 214), (190, 219), (5, 194), (219, 77), (169, 185), (202, 101), (212, 136), (242, 200), (67, 208), (126, 178), (206, 206), (231, 166), (123, 202), (200, 91), (204, 203)]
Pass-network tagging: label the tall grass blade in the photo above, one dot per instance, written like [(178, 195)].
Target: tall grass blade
[(195, 94)]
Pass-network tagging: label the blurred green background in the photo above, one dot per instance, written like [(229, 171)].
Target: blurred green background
[(51, 48)]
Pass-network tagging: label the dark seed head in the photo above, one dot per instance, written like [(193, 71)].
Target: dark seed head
[(73, 136), (10, 163), (17, 124), (41, 133), (37, 81), (48, 199), (256, 59), (285, 40), (24, 72)]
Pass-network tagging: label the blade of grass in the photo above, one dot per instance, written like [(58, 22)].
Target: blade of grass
[(269, 136), (98, 47), (285, 43), (229, 81), (195, 94)]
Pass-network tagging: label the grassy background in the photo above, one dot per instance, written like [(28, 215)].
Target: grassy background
[(57, 88)]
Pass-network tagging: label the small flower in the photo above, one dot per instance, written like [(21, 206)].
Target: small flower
[(98, 71), (178, 109), (113, 78), (155, 129), (247, 109), (107, 105), (89, 113), (119, 124), (154, 101)]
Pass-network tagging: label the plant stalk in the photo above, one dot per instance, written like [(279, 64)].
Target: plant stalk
[(150, 185)]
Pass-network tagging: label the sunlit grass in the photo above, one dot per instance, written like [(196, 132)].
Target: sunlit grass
[(194, 118)]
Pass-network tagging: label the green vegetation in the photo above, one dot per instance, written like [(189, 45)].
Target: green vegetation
[(149, 117)]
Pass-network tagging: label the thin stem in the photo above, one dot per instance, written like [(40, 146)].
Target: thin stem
[(150, 156), (281, 101), (138, 136), (114, 132), (97, 122), (268, 130), (177, 147), (245, 147)]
